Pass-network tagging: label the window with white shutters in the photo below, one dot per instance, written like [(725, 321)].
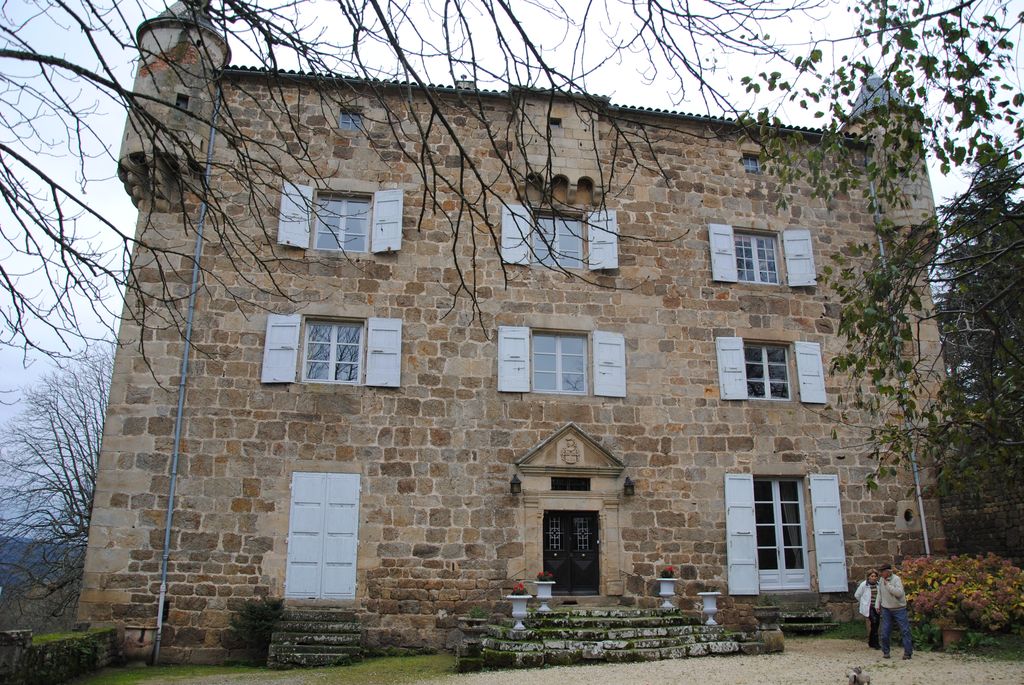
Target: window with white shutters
[(552, 362), (749, 370), (345, 352), (560, 242), (338, 222), (752, 257)]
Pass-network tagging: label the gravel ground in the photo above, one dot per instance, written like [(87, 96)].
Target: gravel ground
[(805, 662)]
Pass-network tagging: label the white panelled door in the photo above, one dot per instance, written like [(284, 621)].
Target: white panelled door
[(323, 536)]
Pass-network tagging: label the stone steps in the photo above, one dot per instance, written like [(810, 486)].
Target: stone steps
[(307, 637), (805, 620), (572, 636)]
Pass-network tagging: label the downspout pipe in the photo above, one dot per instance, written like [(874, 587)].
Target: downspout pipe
[(903, 381), (179, 417)]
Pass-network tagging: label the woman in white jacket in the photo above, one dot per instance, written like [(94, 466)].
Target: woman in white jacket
[(867, 595)]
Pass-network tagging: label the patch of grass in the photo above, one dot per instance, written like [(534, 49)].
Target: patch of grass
[(54, 637), (378, 671), (996, 647), (139, 675), (851, 630), (388, 670)]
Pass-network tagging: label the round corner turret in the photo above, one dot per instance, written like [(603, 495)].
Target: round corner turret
[(181, 55)]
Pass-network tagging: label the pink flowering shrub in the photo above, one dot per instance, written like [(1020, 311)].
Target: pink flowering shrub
[(981, 593)]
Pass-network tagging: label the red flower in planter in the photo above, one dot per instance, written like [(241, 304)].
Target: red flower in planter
[(668, 572), (518, 589), (546, 576)]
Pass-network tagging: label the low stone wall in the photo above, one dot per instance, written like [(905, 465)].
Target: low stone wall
[(56, 661), (986, 518)]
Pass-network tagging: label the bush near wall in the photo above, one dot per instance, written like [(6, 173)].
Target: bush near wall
[(978, 593), (54, 660)]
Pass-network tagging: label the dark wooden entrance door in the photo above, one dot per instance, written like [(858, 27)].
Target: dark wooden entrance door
[(571, 551)]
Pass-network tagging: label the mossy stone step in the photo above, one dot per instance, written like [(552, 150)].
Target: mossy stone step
[(807, 628), (318, 615), (316, 627), (287, 638), (496, 658), (580, 621), (641, 632)]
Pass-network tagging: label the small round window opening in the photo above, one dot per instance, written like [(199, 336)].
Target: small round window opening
[(908, 515)]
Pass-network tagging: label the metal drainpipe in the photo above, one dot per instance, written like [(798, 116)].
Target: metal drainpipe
[(903, 381), (183, 379)]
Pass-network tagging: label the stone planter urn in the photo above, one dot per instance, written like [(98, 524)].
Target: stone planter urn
[(709, 607), (768, 617), (544, 594), (519, 609), (667, 591)]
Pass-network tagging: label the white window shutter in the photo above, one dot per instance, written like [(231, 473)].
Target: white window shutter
[(741, 534), (811, 372), (281, 348), (387, 221), (296, 210), (830, 548), (341, 536), (732, 369), (513, 359), (516, 226), (384, 352), (609, 364), (604, 239), (723, 253), (799, 249)]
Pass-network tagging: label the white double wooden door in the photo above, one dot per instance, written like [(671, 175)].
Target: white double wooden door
[(323, 536)]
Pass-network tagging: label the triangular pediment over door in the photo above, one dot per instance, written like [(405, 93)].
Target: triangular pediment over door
[(570, 452)]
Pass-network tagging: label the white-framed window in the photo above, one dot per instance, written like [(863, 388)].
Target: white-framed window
[(767, 370), (751, 370), (350, 121), (750, 257), (325, 220), (333, 352), (560, 363), (342, 223), (554, 362), (781, 534), (350, 352), (755, 258), (558, 242), (751, 164), (767, 532), (590, 241)]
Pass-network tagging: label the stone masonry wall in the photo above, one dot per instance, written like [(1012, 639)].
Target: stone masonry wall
[(986, 518), (438, 529)]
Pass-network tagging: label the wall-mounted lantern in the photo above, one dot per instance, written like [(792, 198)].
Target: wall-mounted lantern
[(515, 485)]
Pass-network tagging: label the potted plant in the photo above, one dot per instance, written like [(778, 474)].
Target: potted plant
[(667, 586), (545, 583), (519, 598)]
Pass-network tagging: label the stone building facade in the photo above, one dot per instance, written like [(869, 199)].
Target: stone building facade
[(652, 379)]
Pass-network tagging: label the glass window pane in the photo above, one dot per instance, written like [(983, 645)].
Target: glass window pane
[(789, 491), (318, 352), (776, 372), (767, 559), (763, 490), (544, 362), (348, 353), (544, 343), (791, 536), (766, 536), (794, 558), (319, 333), (544, 380), (780, 391), (574, 345), (572, 382), (346, 373), (755, 371), (316, 371), (573, 364), (755, 389), (764, 512), (776, 354), (752, 354), (349, 334), (790, 512)]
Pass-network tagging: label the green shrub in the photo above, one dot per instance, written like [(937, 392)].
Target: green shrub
[(979, 593), (255, 622)]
